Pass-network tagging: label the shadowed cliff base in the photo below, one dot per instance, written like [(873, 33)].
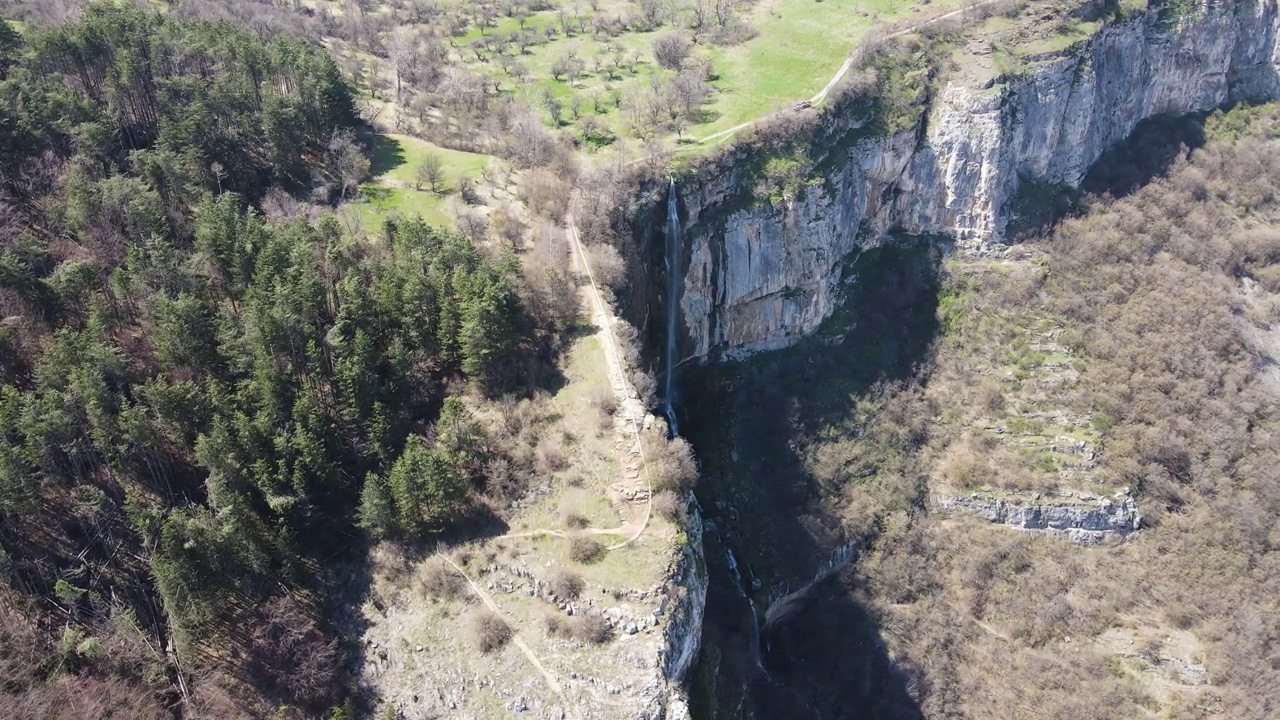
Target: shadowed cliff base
[(1150, 152), (1147, 154), (750, 423)]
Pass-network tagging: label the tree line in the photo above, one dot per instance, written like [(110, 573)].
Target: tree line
[(199, 406)]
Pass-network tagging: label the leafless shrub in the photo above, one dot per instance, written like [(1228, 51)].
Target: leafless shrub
[(574, 520), (586, 628), (670, 505), (438, 580), (670, 50), (550, 458), (292, 654), (734, 32), (607, 266), (566, 584), (545, 194), (557, 625), (605, 400), (488, 631), (989, 396), (474, 224), (585, 549), (590, 628), (963, 468), (670, 463)]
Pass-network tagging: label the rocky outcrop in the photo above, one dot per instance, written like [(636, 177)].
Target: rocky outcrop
[(687, 591), (1080, 517), (760, 275), (685, 602)]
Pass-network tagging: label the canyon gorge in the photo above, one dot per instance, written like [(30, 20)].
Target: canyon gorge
[(842, 269)]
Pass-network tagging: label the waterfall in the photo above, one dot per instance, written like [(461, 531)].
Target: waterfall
[(755, 617), (673, 308), (779, 611)]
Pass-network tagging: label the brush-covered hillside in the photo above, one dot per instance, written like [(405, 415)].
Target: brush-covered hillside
[(1057, 458)]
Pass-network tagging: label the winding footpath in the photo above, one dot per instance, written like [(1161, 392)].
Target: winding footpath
[(631, 415), (844, 70), (632, 412), (519, 642)]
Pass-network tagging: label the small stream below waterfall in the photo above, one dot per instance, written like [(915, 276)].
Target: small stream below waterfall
[(785, 634), (736, 626), (745, 590)]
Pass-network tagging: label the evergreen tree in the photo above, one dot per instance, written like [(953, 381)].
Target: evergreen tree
[(488, 333), (377, 513), (429, 491)]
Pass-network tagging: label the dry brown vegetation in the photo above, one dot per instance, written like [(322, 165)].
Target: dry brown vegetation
[(671, 463), (586, 628), (436, 579), (670, 505), (103, 677), (585, 549), (1146, 326), (566, 584), (488, 631)]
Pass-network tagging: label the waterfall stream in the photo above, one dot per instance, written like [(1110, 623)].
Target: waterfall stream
[(673, 308), (755, 616)]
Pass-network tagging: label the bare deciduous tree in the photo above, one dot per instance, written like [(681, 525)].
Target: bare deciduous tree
[(402, 47), (345, 163), (430, 172), (292, 653), (671, 49)]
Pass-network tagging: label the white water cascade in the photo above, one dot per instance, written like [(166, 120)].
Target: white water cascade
[(673, 308), (755, 618)]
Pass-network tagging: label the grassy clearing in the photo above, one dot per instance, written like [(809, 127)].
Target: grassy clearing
[(799, 47), (639, 565), (585, 440), (796, 47), (391, 190), (1064, 38)]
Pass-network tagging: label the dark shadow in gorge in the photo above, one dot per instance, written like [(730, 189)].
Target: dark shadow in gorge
[(749, 422), (1149, 152)]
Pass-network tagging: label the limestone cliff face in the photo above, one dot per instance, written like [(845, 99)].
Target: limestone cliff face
[(1080, 517), (760, 276), (686, 592)]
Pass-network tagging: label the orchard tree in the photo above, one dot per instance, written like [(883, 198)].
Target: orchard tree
[(670, 50)]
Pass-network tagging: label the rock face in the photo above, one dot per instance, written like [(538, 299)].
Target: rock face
[(1082, 518), (686, 594), (687, 587), (762, 275)]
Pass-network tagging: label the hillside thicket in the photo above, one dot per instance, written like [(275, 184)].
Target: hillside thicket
[(1132, 346), (196, 401), (1146, 325)]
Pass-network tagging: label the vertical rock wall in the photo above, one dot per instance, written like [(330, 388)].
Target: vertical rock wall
[(761, 275)]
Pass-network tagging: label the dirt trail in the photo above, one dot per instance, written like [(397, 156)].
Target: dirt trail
[(519, 642), (631, 412), (844, 70)]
